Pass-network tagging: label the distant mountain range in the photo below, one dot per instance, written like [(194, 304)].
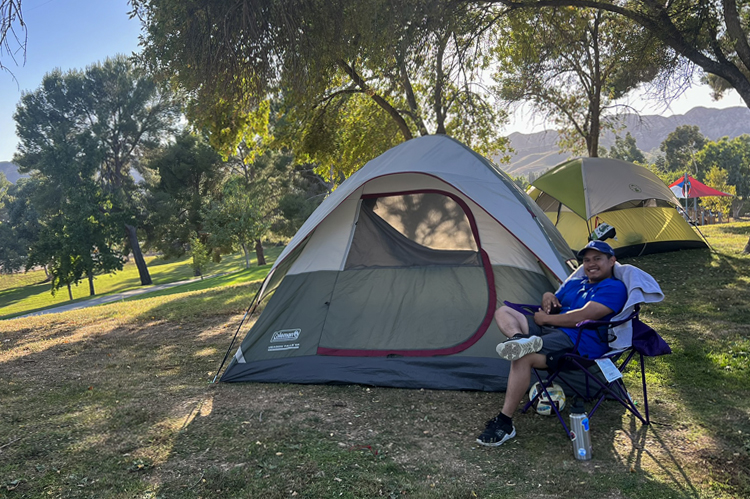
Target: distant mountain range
[(537, 152)]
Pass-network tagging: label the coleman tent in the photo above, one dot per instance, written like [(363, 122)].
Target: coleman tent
[(581, 193), (394, 279)]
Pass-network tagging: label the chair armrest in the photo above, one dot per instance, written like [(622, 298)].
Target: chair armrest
[(595, 324), (588, 324), (523, 308)]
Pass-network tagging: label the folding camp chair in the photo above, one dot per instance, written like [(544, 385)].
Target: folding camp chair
[(645, 343)]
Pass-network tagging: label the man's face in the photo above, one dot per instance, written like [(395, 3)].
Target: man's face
[(597, 266)]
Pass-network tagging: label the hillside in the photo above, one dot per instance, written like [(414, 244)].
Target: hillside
[(10, 170), (537, 152)]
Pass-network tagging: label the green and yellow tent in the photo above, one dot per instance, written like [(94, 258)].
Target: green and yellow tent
[(581, 193)]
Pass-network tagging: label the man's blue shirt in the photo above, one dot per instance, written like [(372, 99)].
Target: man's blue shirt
[(576, 293)]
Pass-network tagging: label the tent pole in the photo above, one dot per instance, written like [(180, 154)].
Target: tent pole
[(248, 312)]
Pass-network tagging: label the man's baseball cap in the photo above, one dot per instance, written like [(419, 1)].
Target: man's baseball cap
[(599, 246)]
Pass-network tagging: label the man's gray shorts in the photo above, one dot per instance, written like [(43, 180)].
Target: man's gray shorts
[(553, 340)]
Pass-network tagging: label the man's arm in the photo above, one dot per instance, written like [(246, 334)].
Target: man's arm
[(550, 303), (590, 312)]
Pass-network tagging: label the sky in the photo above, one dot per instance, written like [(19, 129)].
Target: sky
[(73, 34)]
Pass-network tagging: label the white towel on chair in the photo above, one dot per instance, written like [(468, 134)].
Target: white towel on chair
[(642, 288)]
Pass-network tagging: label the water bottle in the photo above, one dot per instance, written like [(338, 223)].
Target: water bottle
[(579, 431)]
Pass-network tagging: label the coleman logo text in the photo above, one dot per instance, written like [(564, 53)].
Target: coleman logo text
[(285, 335)]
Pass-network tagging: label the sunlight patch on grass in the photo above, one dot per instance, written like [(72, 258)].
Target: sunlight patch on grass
[(205, 352), (735, 357)]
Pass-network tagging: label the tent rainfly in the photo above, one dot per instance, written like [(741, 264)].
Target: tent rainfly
[(581, 193), (394, 279)]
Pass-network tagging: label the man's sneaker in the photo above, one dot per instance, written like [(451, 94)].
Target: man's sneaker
[(494, 435), (515, 348)]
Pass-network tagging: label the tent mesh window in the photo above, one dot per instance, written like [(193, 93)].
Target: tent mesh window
[(412, 230)]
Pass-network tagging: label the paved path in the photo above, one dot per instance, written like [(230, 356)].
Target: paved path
[(99, 300)]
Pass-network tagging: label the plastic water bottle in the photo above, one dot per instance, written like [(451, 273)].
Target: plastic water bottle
[(579, 429)]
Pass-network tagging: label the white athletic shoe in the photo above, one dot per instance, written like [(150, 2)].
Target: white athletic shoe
[(514, 349)]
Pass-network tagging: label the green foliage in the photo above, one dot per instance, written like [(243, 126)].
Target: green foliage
[(717, 178), (731, 155), (188, 173), (12, 251), (344, 70), (78, 237), (199, 256), (572, 64), (81, 132), (626, 149), (235, 219), (679, 149)]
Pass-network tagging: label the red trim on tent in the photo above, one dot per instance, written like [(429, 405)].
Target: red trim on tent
[(488, 316)]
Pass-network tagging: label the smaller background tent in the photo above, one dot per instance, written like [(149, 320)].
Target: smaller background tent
[(581, 193), (686, 187)]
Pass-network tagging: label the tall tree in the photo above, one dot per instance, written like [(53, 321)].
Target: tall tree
[(711, 35), (626, 149), (75, 239), (714, 36), (112, 114), (188, 173), (416, 65), (730, 155), (235, 220), (679, 149), (572, 64)]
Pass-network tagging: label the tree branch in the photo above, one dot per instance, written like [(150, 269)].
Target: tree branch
[(379, 100)]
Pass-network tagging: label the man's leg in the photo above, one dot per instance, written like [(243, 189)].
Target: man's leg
[(500, 429), (511, 322), (519, 380)]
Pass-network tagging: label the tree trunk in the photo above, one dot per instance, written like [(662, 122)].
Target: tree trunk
[(247, 255), (259, 252), (137, 255), (91, 284), (70, 293)]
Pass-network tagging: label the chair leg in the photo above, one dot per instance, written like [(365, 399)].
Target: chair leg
[(544, 384), (645, 395)]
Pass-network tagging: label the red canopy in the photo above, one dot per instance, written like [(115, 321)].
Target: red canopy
[(694, 189)]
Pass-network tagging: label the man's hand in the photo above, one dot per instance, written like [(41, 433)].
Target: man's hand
[(541, 317), (592, 311), (550, 304)]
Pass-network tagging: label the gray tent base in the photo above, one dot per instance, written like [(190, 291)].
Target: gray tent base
[(431, 373)]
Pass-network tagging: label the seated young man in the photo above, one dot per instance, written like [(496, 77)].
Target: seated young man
[(597, 296)]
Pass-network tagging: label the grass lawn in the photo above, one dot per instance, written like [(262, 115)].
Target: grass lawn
[(26, 292), (116, 401)]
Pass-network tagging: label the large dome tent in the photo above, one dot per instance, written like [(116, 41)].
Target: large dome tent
[(581, 193), (394, 279)]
